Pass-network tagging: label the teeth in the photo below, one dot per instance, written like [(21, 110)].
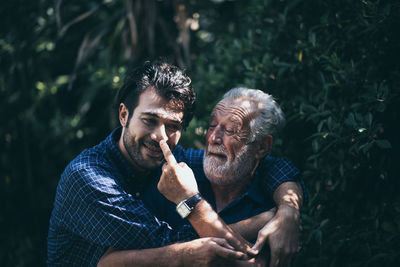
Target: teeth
[(152, 148)]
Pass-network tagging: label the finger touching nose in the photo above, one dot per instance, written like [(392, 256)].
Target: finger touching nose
[(159, 134), (169, 157)]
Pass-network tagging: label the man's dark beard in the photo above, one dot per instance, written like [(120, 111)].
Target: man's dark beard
[(134, 153)]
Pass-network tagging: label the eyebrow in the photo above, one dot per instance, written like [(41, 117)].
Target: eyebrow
[(152, 114)]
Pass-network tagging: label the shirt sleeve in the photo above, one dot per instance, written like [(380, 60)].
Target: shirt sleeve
[(275, 171), (99, 210), (192, 157)]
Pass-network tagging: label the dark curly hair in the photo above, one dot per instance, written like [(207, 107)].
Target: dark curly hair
[(169, 81)]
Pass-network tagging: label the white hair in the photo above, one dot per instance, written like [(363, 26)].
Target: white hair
[(270, 118)]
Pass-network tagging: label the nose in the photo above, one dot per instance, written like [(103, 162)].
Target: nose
[(159, 134), (215, 135)]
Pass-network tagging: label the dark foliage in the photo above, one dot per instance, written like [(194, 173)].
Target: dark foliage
[(332, 65)]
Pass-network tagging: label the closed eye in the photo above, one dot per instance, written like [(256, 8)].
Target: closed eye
[(229, 131)]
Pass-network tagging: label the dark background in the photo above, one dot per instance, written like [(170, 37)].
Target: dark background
[(332, 65)]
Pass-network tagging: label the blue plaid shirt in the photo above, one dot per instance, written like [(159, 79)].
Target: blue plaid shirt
[(99, 204)]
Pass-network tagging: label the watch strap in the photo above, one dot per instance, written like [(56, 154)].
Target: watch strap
[(185, 207), (192, 201)]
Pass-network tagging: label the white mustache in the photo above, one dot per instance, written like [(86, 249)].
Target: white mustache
[(216, 149)]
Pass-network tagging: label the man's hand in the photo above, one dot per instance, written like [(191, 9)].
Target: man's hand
[(261, 260), (210, 251), (177, 181), (283, 231), (249, 228), (218, 252)]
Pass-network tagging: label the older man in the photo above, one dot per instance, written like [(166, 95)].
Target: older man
[(240, 135)]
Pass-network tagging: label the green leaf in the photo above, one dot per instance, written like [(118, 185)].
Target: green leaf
[(323, 223), (385, 144), (247, 64), (368, 119), (365, 147), (350, 121)]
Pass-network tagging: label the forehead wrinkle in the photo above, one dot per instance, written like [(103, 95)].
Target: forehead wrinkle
[(241, 111)]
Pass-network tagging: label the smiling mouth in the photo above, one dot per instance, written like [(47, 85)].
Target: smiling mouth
[(153, 150), (217, 155)]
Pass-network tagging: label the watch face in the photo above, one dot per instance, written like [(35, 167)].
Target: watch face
[(183, 210)]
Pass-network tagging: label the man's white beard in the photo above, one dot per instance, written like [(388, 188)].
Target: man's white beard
[(222, 172)]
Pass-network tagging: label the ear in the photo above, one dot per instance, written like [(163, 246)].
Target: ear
[(264, 146), (123, 114)]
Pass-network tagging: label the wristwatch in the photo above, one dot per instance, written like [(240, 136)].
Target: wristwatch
[(185, 207)]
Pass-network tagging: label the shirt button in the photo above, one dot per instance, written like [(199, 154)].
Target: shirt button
[(137, 194)]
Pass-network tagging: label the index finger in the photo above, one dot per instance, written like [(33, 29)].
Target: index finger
[(169, 157), (226, 251)]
